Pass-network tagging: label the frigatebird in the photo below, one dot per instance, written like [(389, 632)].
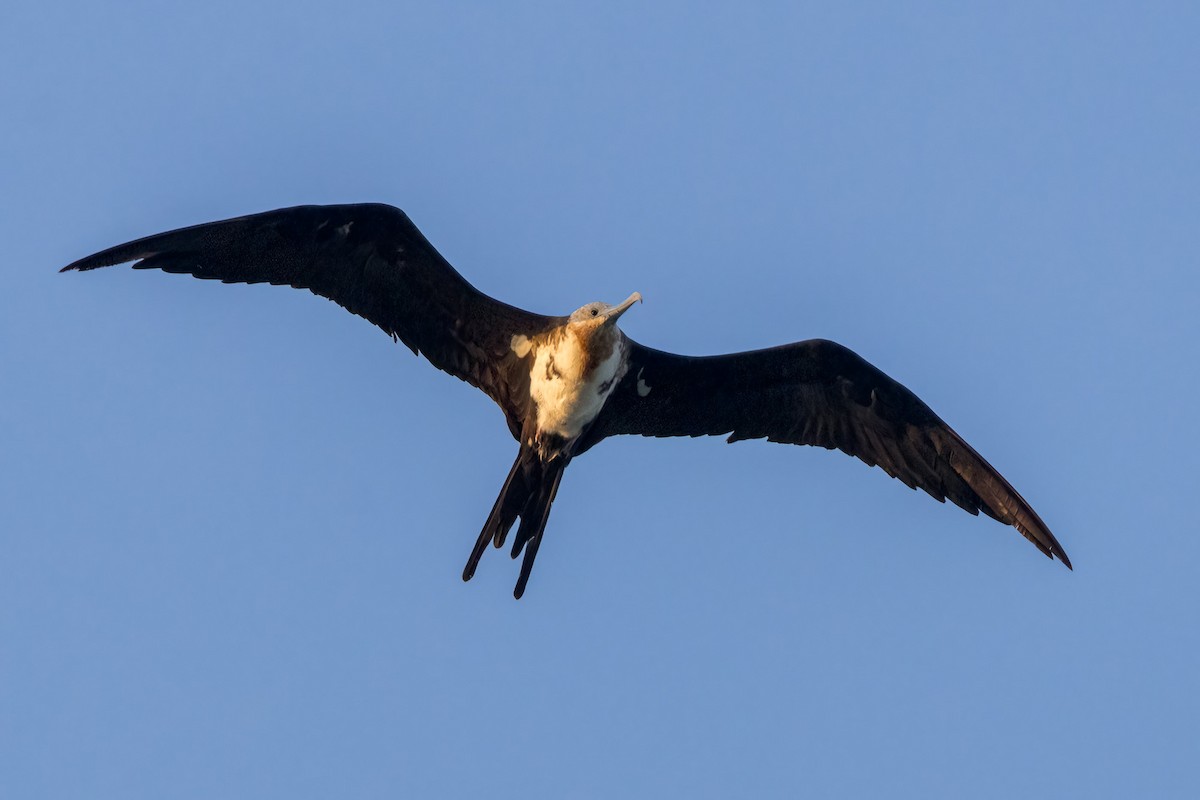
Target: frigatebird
[(565, 383)]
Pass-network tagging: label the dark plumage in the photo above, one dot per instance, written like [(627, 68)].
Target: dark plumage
[(565, 383)]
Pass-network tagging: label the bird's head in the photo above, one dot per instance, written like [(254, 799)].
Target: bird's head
[(597, 315)]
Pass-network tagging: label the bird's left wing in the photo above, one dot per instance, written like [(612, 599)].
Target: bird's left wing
[(817, 393), (369, 259)]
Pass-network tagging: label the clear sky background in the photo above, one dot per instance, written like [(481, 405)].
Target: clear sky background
[(232, 519)]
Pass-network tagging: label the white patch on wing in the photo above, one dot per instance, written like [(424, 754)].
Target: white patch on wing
[(566, 402), (520, 345), (643, 388)]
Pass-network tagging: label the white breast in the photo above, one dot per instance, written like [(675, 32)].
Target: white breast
[(565, 401)]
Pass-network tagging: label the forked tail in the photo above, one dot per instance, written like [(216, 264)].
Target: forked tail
[(528, 493)]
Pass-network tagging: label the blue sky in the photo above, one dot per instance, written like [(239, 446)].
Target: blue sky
[(233, 519)]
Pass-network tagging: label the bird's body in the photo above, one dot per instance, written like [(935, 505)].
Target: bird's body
[(566, 383), (574, 370)]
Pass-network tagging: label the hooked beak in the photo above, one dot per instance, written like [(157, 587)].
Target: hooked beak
[(616, 311)]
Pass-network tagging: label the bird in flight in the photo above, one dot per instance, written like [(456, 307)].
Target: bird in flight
[(565, 383)]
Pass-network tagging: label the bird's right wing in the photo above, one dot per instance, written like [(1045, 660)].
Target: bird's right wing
[(368, 258), (820, 393)]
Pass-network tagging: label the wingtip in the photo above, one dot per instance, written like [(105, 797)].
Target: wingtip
[(1054, 551), (85, 264), (94, 261)]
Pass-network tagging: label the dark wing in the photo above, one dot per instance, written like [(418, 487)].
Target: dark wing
[(819, 393), (368, 258)]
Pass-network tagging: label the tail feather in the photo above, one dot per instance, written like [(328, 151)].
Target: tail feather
[(528, 493), (512, 498), (533, 522), (531, 510)]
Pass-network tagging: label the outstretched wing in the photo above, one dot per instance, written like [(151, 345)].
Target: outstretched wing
[(368, 258), (820, 393)]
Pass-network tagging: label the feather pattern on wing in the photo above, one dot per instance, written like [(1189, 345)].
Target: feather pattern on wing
[(819, 393), (369, 259)]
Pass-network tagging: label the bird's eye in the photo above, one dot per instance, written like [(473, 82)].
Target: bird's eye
[(594, 312)]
